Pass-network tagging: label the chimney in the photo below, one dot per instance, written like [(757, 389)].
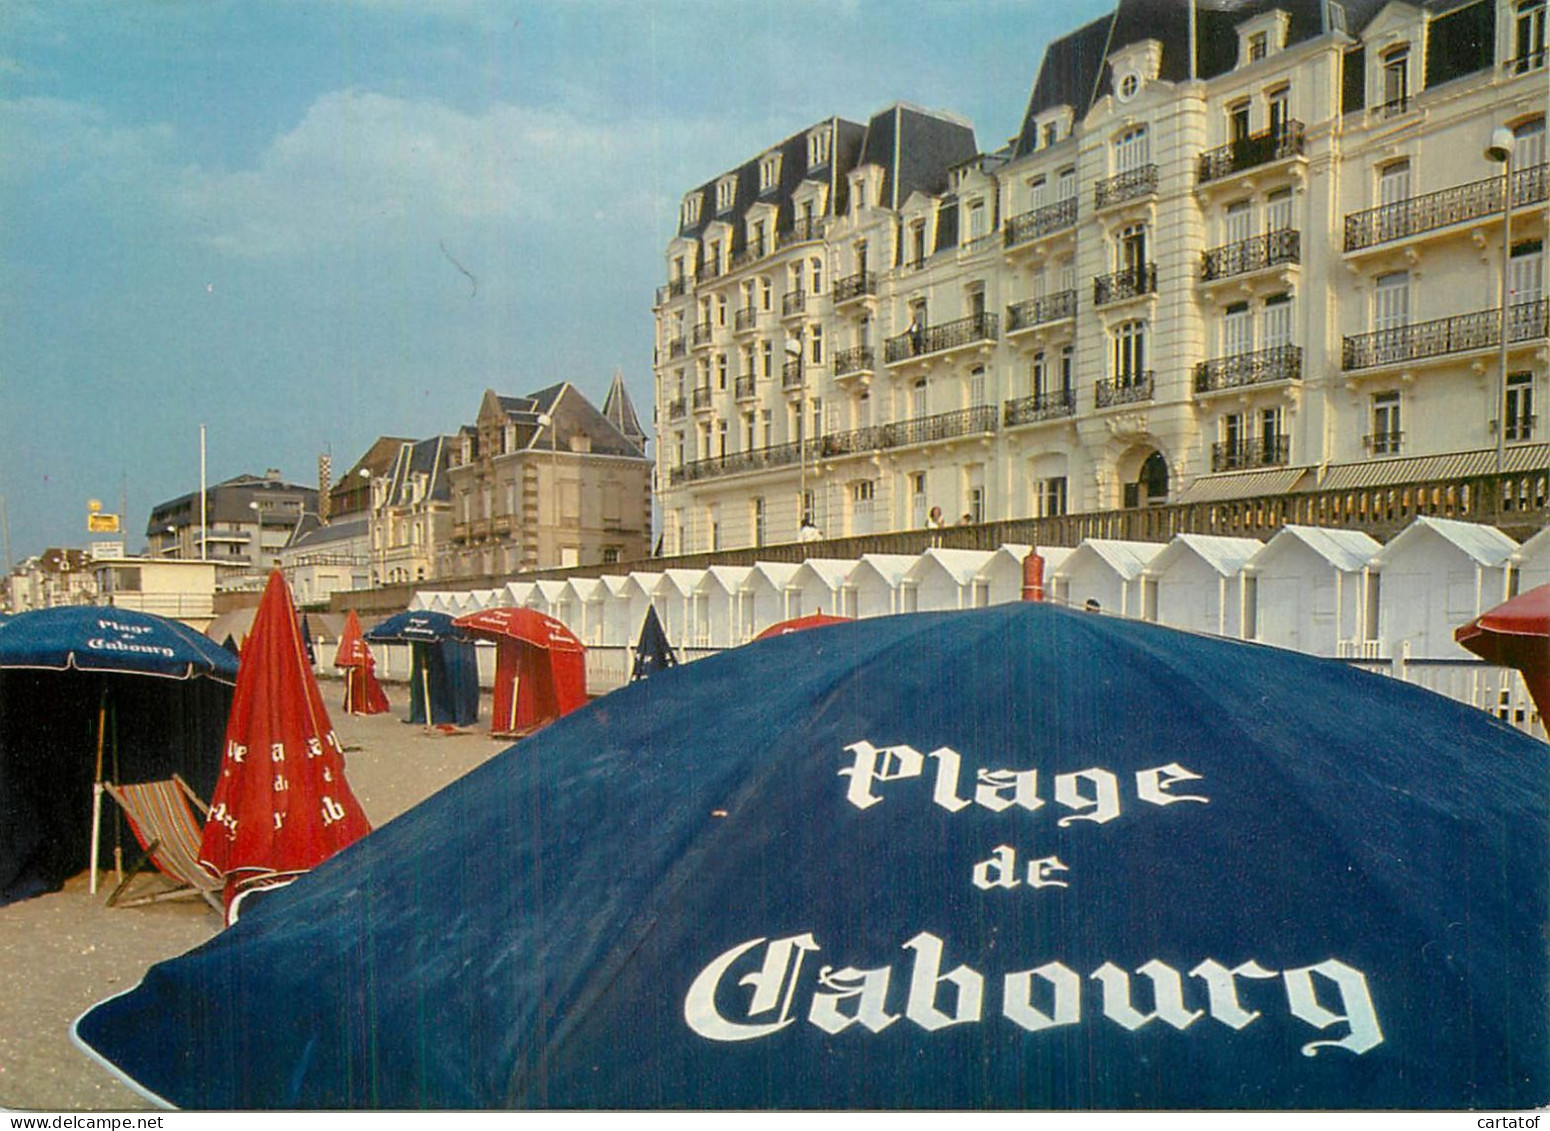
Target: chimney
[(325, 482)]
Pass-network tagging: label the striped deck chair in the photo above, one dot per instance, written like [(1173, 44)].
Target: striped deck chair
[(169, 833)]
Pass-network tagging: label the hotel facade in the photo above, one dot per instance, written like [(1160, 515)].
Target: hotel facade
[(1230, 254)]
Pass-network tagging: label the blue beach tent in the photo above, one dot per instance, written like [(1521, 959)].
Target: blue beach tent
[(92, 694), (444, 673), (653, 652), (1018, 857)]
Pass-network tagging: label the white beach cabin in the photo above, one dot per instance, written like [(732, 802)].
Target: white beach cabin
[(873, 587), (1001, 578), (1307, 590), (718, 606), (1196, 583), (945, 579), (1434, 576), (1104, 571), (817, 586), (765, 597)]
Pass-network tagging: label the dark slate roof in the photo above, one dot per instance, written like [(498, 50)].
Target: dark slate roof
[(916, 150), (229, 499), (421, 457), (569, 413), (846, 143), (620, 411), (312, 535)]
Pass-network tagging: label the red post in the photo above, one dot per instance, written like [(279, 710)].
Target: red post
[(1033, 576)]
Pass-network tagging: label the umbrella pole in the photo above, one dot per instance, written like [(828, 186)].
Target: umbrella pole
[(96, 793), (425, 685)]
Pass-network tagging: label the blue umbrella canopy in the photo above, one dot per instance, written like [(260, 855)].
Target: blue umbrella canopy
[(444, 683), (89, 638), (653, 652), (1015, 857), (415, 627)]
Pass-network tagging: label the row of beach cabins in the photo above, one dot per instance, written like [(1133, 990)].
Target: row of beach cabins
[(1333, 593)]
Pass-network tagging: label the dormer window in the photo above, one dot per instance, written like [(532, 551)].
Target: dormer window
[(689, 214), (1051, 133), (1396, 79), (769, 172), (1261, 37), (1259, 46), (726, 193), (819, 142)]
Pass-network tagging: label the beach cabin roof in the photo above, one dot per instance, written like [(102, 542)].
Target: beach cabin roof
[(614, 583), (1227, 556), (517, 593), (1535, 548), (586, 588), (775, 574), (832, 573), (547, 591), (643, 582), (1486, 545), (421, 599), (484, 598), (1127, 559), (728, 579), (678, 582), (1345, 550), (890, 567), (962, 566)]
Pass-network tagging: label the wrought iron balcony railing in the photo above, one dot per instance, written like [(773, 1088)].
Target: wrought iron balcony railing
[(802, 230), (791, 374), (1461, 333), (1384, 443), (702, 396), (1038, 311), (1262, 451), (707, 271), (1040, 222), (923, 340), (1251, 152), (677, 408), (857, 359), (1277, 363), (1132, 282), (901, 433), (855, 286), (1392, 108), (750, 254), (1041, 406), (744, 389), (1125, 186), (676, 347), (779, 455), (1127, 388), (745, 319), (793, 302), (1440, 209), (1253, 254), (701, 333), (673, 288)]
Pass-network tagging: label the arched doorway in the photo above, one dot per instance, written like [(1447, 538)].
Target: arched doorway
[(1149, 487)]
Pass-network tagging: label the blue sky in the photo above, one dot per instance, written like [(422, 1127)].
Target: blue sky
[(254, 215)]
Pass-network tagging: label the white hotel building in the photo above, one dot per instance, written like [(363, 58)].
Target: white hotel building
[(1231, 254)]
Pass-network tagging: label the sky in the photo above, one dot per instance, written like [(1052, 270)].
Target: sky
[(307, 224)]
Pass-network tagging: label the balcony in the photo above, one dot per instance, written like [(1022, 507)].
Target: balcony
[(1462, 333), (677, 408), (707, 271), (675, 347), (744, 387), (780, 455), (1126, 186), (674, 288), (793, 303), (1473, 201), (1127, 388), (902, 433), (1266, 451), (849, 362), (1039, 407), (791, 374), (1033, 312), (701, 396), (856, 286), (926, 340), (1393, 108), (1252, 152), (1132, 282), (745, 319), (1253, 254), (1040, 222), (700, 335), (1519, 428), (1384, 443), (802, 231), (1263, 367), (748, 256)]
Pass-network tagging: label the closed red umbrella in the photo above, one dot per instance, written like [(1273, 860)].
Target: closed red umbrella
[(282, 805), (1516, 635), (363, 695), (800, 624), (540, 668)]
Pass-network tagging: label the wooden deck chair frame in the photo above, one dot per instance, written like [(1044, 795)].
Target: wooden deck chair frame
[(160, 816)]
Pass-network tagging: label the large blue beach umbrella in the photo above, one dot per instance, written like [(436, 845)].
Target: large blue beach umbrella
[(1013, 857), (88, 694), (444, 671)]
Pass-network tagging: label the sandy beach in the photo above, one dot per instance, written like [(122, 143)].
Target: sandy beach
[(61, 953)]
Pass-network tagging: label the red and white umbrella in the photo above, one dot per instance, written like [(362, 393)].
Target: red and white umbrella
[(363, 695), (1516, 635), (282, 805), (540, 668)]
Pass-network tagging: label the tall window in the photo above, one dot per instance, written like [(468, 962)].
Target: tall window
[(1232, 433), (917, 499), (1278, 108), (1238, 330), (721, 371), (1520, 406), (1067, 373), (1065, 184), (977, 386), (767, 359), (815, 343), (1131, 150), (1396, 79), (1528, 147), (769, 172), (918, 399), (1270, 430), (1240, 221), (977, 224), (1526, 273), (766, 293), (1238, 121), (1040, 378), (818, 147), (1386, 430), (1130, 251), (1278, 211), (1391, 301), (917, 243), (815, 266), (758, 520), (1278, 321), (1051, 496), (1036, 193), (1129, 352), (1528, 37)]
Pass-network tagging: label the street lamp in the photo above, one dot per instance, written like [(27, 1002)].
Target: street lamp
[(1500, 150), (546, 420)]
